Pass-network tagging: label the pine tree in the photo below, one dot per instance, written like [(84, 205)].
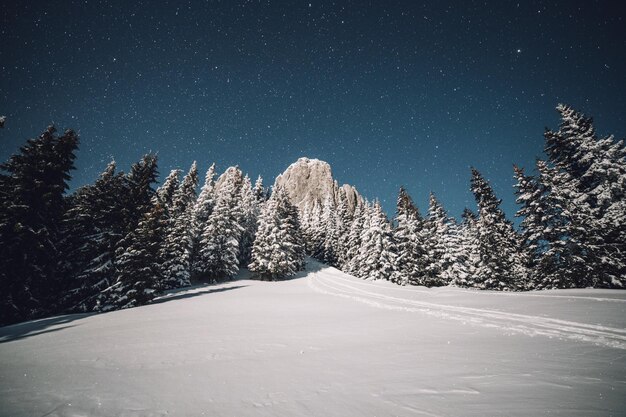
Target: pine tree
[(248, 211), (219, 245), (140, 192), (501, 264), (165, 193), (567, 259), (259, 191), (93, 226), (355, 231), (314, 231), (409, 238), (467, 256), (31, 212), (596, 169), (533, 211), (378, 252), (437, 234), (344, 220), (332, 227), (139, 269), (324, 244), (176, 251), (202, 210), (305, 224), (278, 249)]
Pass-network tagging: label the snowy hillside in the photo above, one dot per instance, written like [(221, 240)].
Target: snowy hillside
[(325, 344)]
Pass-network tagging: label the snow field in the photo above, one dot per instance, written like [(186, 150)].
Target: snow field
[(324, 344)]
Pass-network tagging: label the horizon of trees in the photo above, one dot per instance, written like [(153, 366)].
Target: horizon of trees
[(121, 241)]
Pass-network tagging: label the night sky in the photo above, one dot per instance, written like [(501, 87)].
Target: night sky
[(389, 93)]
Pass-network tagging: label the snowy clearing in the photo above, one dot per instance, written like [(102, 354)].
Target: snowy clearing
[(325, 344)]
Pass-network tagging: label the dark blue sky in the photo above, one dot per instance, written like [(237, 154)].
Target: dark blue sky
[(389, 93)]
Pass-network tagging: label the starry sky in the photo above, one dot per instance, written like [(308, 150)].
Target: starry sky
[(389, 93)]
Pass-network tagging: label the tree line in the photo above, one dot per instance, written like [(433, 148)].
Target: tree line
[(121, 241), (572, 232)]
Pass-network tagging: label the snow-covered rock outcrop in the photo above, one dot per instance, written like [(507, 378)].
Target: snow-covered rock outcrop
[(310, 181)]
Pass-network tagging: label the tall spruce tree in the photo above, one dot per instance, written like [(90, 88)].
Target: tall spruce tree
[(140, 190), (219, 244), (333, 227), (177, 247), (139, 269), (165, 193), (378, 252), (467, 255), (437, 235), (259, 191), (248, 211), (569, 257), (32, 206), (409, 237), (278, 249), (344, 219), (353, 243), (502, 266), (596, 171), (453, 256), (202, 210), (93, 227), (315, 230)]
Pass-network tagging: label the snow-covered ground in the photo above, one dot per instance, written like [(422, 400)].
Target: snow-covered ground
[(325, 344)]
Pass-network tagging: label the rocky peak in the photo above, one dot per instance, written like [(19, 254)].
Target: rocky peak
[(311, 181)]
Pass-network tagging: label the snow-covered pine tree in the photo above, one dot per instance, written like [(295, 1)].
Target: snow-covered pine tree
[(32, 184), (278, 249), (219, 244), (294, 243), (569, 250), (176, 250), (409, 238), (598, 169), (468, 257), (248, 212), (455, 255), (353, 243), (535, 214), (138, 197), (139, 269), (93, 227), (165, 193), (314, 230), (331, 223), (305, 223), (378, 252), (259, 191), (502, 265), (138, 200), (324, 249), (201, 212), (344, 220), (437, 231)]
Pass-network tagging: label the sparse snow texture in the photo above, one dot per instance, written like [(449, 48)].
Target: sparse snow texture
[(325, 344)]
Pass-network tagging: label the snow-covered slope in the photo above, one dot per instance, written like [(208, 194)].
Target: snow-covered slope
[(310, 181), (325, 344)]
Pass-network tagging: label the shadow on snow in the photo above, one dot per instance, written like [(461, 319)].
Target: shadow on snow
[(28, 329), (183, 293), (33, 328)]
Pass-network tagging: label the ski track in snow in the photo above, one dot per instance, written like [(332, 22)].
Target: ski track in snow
[(337, 283)]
